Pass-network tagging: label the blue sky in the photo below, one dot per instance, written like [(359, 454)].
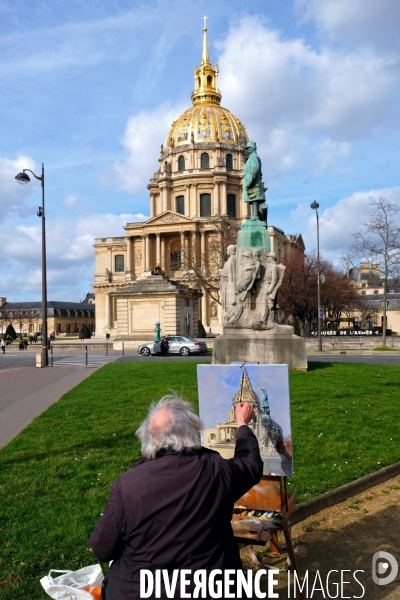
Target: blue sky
[(90, 88)]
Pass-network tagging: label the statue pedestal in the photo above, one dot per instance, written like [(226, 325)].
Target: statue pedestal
[(275, 346), (254, 234)]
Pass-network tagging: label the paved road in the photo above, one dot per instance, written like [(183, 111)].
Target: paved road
[(98, 358)]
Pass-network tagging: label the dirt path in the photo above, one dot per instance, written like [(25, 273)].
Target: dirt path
[(345, 537)]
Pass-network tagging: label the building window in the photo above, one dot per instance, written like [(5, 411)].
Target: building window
[(119, 263), (381, 303), (392, 291), (181, 163), (180, 205), (187, 302), (231, 205), (363, 285), (229, 162), (375, 291), (205, 161), (363, 292), (205, 205), (175, 260)]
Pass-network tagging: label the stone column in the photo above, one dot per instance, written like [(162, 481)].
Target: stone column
[(110, 259), (217, 202), (204, 318), (164, 199), (194, 249), (168, 198), (158, 249), (128, 270), (183, 254), (163, 252), (107, 310), (203, 248), (152, 204), (147, 248), (222, 199), (193, 200), (143, 253), (187, 200)]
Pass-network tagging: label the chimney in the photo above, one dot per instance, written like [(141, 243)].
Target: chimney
[(3, 301)]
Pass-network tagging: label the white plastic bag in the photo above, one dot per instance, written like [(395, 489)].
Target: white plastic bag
[(68, 585)]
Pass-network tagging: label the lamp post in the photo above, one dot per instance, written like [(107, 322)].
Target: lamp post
[(24, 178), (315, 206)]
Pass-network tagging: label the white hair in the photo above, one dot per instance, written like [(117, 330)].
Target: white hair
[(178, 431)]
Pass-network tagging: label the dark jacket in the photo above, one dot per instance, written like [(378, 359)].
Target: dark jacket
[(174, 512)]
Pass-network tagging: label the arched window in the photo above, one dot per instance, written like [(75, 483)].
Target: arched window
[(205, 205), (180, 205), (209, 80), (181, 163), (229, 162), (231, 205), (205, 161), (119, 263)]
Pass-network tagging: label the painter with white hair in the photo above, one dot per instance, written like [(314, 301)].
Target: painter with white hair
[(173, 509)]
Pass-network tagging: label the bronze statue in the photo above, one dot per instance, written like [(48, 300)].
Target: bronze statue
[(253, 187)]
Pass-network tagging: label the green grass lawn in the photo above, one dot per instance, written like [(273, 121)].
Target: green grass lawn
[(56, 475), (384, 349)]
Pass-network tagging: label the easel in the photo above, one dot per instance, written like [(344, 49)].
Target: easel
[(270, 495)]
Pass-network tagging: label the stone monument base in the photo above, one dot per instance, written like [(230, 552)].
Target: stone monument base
[(275, 346)]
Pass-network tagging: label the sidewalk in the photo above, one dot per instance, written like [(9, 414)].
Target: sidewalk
[(27, 392)]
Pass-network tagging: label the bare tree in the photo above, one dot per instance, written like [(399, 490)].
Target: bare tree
[(202, 270), (379, 242), (298, 292)]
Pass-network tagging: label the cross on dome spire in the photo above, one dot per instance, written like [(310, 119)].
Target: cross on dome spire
[(205, 58), (206, 78)]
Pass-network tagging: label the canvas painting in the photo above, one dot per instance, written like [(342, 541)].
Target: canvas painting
[(222, 387)]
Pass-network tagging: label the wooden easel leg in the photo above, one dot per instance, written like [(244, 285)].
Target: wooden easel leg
[(273, 542), (289, 546)]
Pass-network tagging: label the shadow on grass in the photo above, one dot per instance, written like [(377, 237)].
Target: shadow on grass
[(95, 444), (314, 366)]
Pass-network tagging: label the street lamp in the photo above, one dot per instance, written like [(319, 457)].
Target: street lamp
[(23, 178), (315, 206)]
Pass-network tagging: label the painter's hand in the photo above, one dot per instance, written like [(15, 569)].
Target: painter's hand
[(244, 413)]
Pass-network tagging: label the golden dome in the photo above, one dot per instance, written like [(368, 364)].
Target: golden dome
[(245, 394), (206, 121)]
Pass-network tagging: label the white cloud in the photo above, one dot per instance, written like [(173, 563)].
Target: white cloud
[(305, 107), (355, 22), (70, 200), (13, 194), (279, 83), (339, 222), (70, 255), (144, 134), (79, 44)]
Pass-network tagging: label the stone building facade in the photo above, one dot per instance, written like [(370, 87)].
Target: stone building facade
[(195, 199), (367, 280), (62, 317)]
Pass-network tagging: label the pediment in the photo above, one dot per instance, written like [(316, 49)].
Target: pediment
[(168, 217)]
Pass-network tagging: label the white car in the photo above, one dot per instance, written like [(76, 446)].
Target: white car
[(178, 344)]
